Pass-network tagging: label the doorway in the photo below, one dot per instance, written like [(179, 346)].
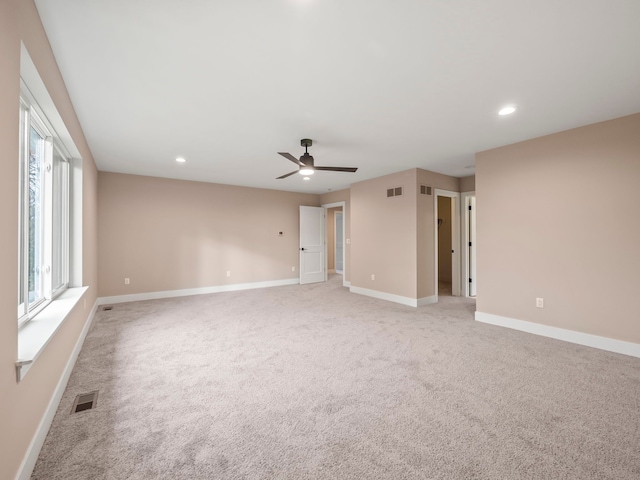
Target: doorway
[(336, 242), (445, 252), (447, 240)]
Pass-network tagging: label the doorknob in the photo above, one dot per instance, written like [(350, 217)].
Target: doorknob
[(302, 249)]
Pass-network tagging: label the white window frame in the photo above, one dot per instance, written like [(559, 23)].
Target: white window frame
[(54, 197)]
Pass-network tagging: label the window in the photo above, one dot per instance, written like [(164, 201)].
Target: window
[(43, 213)]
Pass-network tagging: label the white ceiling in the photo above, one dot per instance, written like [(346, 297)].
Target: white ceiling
[(376, 84)]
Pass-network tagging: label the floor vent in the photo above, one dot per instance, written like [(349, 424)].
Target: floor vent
[(106, 308), (86, 401)]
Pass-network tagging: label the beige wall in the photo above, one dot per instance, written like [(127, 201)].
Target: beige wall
[(558, 219), (383, 235), (22, 405), (172, 234), (335, 197), (468, 184)]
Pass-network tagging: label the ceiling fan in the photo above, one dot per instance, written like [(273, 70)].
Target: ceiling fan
[(305, 163)]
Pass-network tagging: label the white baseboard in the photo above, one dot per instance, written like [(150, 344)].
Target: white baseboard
[(427, 300), (411, 302), (595, 341), (31, 457), (135, 297), (346, 283)]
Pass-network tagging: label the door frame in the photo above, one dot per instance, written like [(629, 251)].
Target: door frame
[(455, 239), (464, 205), (327, 206), (335, 238)]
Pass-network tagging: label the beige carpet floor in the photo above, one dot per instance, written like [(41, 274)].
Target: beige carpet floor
[(313, 382)]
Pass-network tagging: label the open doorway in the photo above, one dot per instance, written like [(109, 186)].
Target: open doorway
[(447, 239), (445, 252), (335, 239)]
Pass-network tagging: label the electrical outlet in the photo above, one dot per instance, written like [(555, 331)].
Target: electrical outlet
[(373, 277), (228, 273), (126, 281), (348, 241), (540, 302), (293, 269)]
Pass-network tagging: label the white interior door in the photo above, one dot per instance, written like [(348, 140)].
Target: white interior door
[(472, 247), (339, 245), (312, 237)]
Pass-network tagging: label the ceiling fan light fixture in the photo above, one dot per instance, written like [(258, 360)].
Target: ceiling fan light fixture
[(306, 171), (508, 110)]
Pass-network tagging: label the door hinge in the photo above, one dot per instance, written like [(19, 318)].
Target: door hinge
[(471, 280), (469, 207), (469, 243)]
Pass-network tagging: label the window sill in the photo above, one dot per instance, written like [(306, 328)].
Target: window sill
[(34, 336)]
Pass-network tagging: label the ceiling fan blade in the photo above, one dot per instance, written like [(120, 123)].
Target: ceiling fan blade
[(285, 176), (337, 169), (288, 156)]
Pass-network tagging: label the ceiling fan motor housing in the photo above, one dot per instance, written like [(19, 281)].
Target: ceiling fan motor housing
[(307, 160)]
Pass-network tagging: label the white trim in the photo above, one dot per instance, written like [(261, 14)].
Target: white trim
[(390, 297), (31, 457), (427, 300), (135, 297), (411, 302), (595, 341), (34, 335), (345, 283)]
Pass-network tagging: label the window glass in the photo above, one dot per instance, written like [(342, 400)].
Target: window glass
[(35, 249)]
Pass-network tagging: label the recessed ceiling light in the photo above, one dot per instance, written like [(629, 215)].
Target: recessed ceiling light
[(181, 160), (508, 110), (306, 178)]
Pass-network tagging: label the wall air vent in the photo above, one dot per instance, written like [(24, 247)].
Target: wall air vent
[(394, 192), (425, 190), (86, 401)]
